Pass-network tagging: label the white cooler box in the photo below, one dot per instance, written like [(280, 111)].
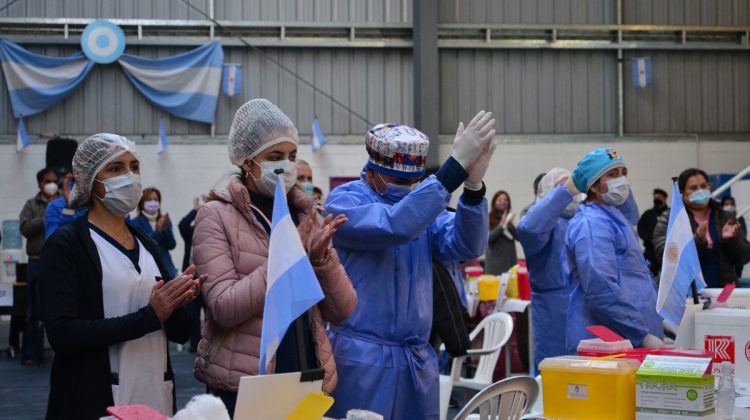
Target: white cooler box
[(740, 298), (726, 333)]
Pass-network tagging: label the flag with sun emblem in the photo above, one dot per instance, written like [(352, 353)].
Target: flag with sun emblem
[(680, 265)]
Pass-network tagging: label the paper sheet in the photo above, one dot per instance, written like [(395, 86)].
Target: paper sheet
[(272, 397), (514, 305), (686, 332)]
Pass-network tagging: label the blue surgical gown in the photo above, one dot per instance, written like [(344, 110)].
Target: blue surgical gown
[(383, 358), (542, 235), (603, 257)]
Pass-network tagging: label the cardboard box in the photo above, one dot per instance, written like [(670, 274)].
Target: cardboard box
[(670, 387)]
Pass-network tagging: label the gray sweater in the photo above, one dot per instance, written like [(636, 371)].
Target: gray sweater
[(32, 224), (501, 251)]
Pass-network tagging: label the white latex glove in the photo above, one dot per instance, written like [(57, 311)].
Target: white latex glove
[(478, 169), (469, 141), (571, 186), (653, 342)]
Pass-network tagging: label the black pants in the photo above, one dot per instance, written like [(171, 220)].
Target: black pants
[(33, 335), (229, 399)]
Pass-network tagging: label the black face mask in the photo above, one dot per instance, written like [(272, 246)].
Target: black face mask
[(658, 202)]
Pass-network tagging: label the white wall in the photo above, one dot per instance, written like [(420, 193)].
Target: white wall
[(185, 171)]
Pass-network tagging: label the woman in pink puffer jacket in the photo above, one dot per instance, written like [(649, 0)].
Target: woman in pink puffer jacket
[(230, 245)]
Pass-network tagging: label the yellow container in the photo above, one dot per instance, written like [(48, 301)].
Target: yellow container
[(511, 290), (489, 287), (584, 388)]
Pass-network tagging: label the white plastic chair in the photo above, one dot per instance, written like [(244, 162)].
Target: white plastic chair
[(506, 399), (497, 329)]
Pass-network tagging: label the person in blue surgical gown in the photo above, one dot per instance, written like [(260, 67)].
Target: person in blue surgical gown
[(541, 232), (603, 257), (397, 225)]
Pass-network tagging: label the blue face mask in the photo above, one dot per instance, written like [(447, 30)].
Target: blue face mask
[(395, 192), (700, 197), (308, 186)]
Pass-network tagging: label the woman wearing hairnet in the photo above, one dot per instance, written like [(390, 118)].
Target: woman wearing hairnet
[(604, 259), (109, 304), (230, 245), (542, 235)]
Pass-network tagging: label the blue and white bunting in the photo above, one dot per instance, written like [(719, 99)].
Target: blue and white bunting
[(186, 85), (163, 143), (641, 72), (22, 139), (232, 80), (318, 139), (680, 263), (36, 82), (291, 285)]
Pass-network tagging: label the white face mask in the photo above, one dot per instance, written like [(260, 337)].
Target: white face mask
[(122, 193), (268, 170), (50, 188), (729, 208), (618, 191)]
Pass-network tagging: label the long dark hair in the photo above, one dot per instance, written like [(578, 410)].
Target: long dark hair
[(495, 215), (147, 193), (688, 173)]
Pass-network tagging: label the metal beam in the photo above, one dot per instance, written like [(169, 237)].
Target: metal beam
[(426, 75), (389, 35)]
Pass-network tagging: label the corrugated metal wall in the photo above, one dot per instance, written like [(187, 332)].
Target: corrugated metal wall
[(253, 10), (691, 92), (532, 92), (686, 12), (644, 12), (374, 83), (528, 11)]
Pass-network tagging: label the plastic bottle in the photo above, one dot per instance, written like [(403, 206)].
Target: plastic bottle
[(725, 393)]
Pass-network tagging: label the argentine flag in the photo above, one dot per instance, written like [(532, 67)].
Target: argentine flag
[(318, 139), (291, 285), (37, 82), (680, 265), (186, 85), (22, 139), (641, 72), (232, 80), (163, 143)]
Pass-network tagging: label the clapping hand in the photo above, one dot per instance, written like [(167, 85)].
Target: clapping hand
[(730, 230)]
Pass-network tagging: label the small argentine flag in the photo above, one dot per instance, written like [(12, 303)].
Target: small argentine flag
[(163, 143), (642, 72), (318, 139), (680, 266), (232, 80), (291, 285), (22, 140)]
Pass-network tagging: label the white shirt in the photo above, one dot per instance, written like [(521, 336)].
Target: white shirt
[(140, 363)]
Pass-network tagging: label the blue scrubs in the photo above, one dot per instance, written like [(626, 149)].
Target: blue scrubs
[(383, 358), (603, 257), (542, 235)]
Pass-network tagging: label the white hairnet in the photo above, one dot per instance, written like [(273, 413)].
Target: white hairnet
[(258, 125), (551, 179), (90, 158)]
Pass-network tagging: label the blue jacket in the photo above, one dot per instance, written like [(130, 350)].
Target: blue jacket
[(603, 257), (58, 215), (382, 354), (542, 235), (164, 239)]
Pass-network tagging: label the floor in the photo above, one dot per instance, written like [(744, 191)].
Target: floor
[(24, 388)]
